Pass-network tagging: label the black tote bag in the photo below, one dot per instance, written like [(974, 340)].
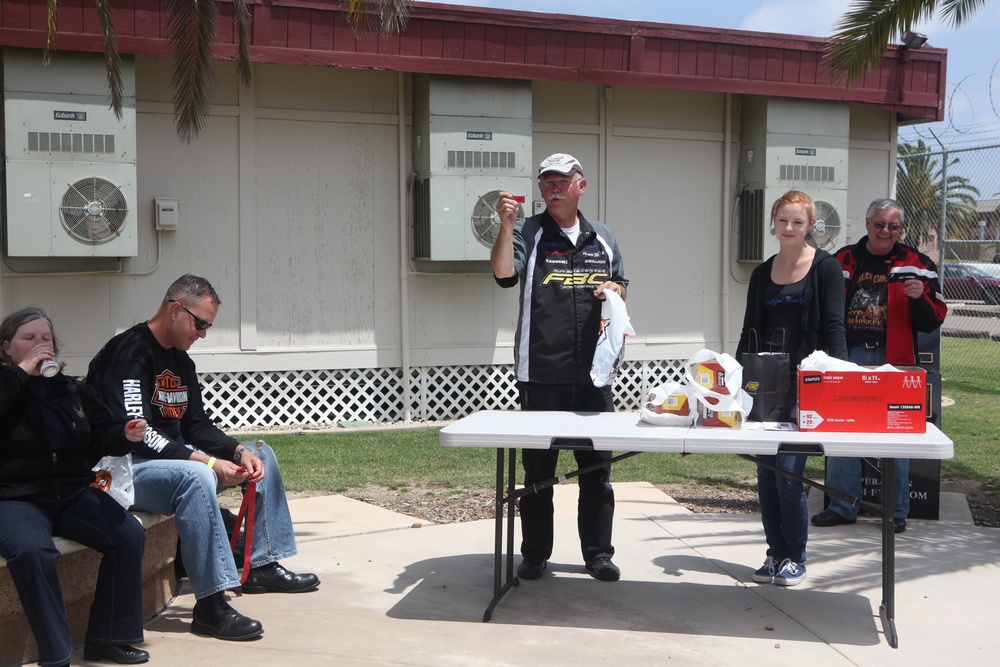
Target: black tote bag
[(766, 378)]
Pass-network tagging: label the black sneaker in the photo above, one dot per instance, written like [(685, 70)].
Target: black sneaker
[(603, 569), (900, 524), (531, 569)]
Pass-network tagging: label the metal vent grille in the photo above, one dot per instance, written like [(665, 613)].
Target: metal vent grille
[(70, 142), (752, 224), (480, 160), (93, 210), (422, 219), (808, 173)]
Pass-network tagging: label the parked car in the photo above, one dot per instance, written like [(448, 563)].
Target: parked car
[(992, 268), (965, 282)]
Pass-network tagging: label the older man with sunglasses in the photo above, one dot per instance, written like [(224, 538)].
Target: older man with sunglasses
[(185, 459), (893, 292)]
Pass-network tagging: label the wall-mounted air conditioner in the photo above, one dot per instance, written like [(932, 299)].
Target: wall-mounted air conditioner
[(471, 139), (788, 144), (70, 164)]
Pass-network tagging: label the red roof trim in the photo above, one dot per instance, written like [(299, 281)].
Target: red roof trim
[(444, 39)]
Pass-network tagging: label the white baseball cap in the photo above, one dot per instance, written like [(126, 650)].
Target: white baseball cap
[(560, 163)]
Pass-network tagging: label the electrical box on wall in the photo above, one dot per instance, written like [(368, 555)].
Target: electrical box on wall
[(70, 164), (471, 139), (166, 214)]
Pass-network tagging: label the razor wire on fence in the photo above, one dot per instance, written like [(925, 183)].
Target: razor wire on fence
[(951, 203)]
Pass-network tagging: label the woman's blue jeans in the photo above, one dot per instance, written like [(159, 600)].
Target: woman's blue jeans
[(95, 520), (187, 490), (783, 508)]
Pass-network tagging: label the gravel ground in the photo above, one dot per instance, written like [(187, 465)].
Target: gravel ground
[(454, 505)]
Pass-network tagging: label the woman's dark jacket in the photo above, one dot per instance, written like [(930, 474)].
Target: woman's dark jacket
[(822, 316), (28, 465)]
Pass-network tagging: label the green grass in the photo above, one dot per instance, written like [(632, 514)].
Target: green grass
[(971, 377), (401, 459), (393, 458)]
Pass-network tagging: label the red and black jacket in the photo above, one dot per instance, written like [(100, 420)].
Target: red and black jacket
[(904, 316)]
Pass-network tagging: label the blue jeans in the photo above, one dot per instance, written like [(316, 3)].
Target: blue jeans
[(783, 508), (844, 473), (96, 520), (187, 490)]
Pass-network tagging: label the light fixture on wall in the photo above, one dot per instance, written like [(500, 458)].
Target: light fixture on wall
[(914, 40)]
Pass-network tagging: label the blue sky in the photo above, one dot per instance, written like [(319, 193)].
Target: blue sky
[(972, 111)]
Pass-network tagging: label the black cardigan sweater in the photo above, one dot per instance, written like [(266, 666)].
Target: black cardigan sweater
[(29, 467), (822, 317)]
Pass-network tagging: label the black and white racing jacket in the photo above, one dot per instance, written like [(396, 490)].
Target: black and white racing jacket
[(559, 317)]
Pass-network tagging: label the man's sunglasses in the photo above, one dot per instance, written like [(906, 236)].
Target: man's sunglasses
[(893, 227), (199, 324)]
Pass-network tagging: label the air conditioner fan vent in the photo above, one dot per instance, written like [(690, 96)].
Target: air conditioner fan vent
[(93, 211)]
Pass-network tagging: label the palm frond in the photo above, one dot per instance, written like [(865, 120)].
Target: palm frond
[(242, 17), (958, 12), (924, 191), (191, 32), (395, 14), (51, 28), (112, 58), (862, 35), (381, 17)]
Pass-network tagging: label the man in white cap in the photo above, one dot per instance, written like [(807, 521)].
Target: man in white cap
[(564, 263)]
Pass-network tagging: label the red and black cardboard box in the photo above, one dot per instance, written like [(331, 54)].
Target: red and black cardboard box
[(867, 401)]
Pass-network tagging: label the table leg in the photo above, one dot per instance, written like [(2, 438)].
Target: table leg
[(500, 587), (887, 611), (511, 479)]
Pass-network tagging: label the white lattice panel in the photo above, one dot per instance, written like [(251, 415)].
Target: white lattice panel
[(292, 399)]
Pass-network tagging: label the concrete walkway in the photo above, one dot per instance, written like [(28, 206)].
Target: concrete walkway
[(401, 591)]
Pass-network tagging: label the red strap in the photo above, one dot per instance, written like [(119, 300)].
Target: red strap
[(247, 509)]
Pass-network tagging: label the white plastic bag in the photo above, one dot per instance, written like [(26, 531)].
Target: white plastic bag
[(670, 404), (114, 475), (717, 381), (610, 352)]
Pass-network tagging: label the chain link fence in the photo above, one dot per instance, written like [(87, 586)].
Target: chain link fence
[(951, 199)]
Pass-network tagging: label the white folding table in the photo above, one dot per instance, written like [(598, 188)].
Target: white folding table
[(509, 431)]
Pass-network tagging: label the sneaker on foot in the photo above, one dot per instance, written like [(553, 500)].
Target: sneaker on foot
[(765, 573), (790, 573)]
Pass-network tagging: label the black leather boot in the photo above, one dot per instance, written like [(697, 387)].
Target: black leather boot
[(214, 617), (273, 578), (123, 654)]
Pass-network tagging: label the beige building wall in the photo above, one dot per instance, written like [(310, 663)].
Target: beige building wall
[(290, 203)]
